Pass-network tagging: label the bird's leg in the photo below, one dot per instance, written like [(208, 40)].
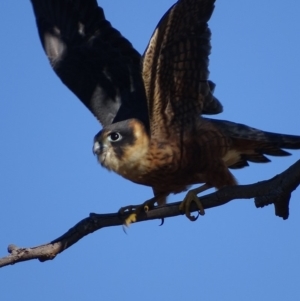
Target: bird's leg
[(190, 197), (134, 210)]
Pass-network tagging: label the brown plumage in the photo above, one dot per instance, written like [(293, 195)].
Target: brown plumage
[(175, 68), (182, 147), (151, 106)]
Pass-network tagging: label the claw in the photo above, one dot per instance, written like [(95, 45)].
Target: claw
[(135, 211), (130, 219), (190, 197), (162, 222), (124, 229), (149, 204), (192, 218), (125, 209)]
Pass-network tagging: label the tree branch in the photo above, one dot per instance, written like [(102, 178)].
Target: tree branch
[(275, 191)]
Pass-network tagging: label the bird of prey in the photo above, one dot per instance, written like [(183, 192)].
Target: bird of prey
[(151, 106)]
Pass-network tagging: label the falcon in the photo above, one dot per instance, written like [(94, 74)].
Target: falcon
[(151, 106)]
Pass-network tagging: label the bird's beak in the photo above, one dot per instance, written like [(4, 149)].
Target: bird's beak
[(98, 148)]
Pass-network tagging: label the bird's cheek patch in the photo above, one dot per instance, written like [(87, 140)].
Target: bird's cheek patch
[(111, 162), (119, 152)]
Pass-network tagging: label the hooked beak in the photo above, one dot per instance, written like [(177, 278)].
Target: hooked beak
[(98, 148)]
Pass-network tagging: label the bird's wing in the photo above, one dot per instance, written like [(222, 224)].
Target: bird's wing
[(92, 58), (175, 68)]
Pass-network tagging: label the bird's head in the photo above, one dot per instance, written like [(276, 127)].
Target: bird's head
[(119, 146)]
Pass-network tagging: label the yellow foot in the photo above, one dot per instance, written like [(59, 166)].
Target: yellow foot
[(184, 206), (136, 210), (130, 219)]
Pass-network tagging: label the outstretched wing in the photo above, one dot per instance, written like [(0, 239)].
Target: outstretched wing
[(175, 68), (92, 58)]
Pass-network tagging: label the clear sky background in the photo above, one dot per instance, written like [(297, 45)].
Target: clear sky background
[(50, 180)]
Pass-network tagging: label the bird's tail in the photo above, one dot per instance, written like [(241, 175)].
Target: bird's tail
[(251, 145)]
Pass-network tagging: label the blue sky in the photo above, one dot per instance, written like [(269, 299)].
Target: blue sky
[(50, 180)]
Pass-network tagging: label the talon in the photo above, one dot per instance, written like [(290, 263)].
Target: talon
[(150, 204), (184, 206), (134, 211), (124, 228), (125, 209), (162, 222), (130, 219), (200, 206), (192, 218)]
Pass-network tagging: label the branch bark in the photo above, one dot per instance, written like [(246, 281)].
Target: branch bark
[(276, 190)]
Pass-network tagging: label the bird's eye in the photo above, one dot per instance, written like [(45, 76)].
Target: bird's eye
[(114, 136)]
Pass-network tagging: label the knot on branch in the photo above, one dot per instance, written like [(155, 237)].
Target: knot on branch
[(279, 198)]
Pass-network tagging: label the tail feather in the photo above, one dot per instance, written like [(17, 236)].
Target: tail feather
[(255, 158), (251, 145), (243, 159), (277, 152)]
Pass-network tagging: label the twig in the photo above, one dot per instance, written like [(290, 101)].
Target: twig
[(275, 191)]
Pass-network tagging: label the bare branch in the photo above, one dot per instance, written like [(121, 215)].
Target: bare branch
[(275, 191)]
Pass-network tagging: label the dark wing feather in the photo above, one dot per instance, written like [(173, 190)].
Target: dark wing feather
[(211, 104), (175, 68), (92, 58)]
